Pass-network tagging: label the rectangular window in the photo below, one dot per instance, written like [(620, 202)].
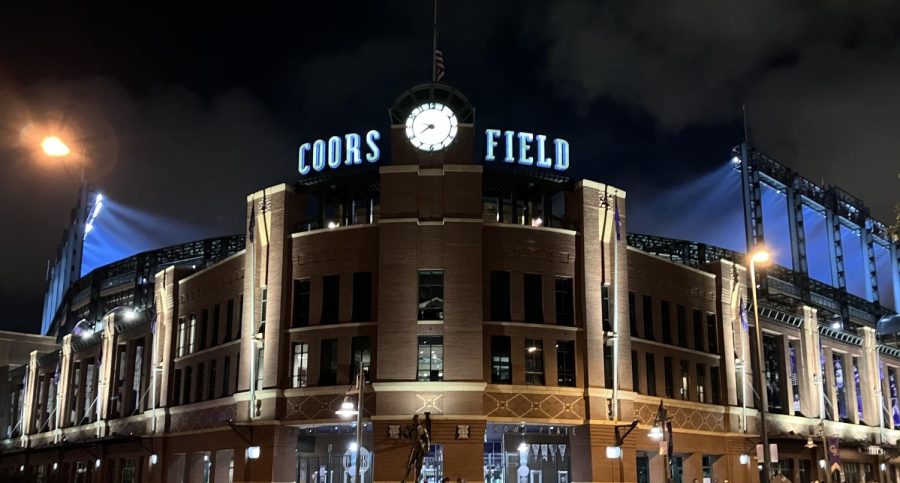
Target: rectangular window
[(331, 296), (229, 320), (226, 377), (192, 335), (188, 376), (182, 333), (606, 309), (648, 318), (712, 333), (701, 383), (666, 321), (840, 385), (301, 303), (264, 304), (204, 326), (215, 326), (176, 387), (632, 313), (211, 387), (565, 314), (773, 372), (698, 330), (534, 362), (430, 366), (240, 317), (609, 367), (137, 378), (859, 403), (300, 367), (201, 378), (431, 295), (362, 297), (707, 463), (260, 367), (565, 363), (328, 363), (669, 377), (650, 366), (795, 375), (534, 304), (501, 364), (714, 387), (76, 393), (361, 353), (685, 380), (681, 323), (90, 389), (635, 372), (500, 296)]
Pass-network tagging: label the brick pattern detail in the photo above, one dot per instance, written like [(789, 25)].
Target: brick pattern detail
[(541, 406), (322, 406), (683, 418), (204, 418)]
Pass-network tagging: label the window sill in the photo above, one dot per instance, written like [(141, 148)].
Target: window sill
[(430, 322)]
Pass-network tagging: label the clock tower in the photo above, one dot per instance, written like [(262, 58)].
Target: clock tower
[(431, 125)]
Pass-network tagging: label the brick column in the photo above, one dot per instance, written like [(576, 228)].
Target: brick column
[(30, 389), (869, 381), (810, 367), (64, 388)]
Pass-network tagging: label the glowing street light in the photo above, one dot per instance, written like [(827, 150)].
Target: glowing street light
[(55, 147), (760, 256)]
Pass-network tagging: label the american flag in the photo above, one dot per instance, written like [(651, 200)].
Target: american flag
[(439, 64)]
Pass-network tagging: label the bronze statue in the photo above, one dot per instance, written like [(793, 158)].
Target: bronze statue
[(420, 443)]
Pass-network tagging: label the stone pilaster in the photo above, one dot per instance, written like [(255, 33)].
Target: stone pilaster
[(810, 367), (869, 382), (66, 376)]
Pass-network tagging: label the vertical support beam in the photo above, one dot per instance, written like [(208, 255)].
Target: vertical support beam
[(798, 236), (752, 195), (869, 381), (810, 367), (836, 250), (31, 381), (64, 387), (868, 248)]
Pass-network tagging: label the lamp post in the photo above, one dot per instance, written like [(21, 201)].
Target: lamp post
[(662, 432), (760, 256), (348, 409)]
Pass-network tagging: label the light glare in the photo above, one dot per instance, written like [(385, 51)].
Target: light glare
[(55, 147)]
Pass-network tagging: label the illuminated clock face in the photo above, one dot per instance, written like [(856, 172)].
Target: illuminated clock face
[(431, 126)]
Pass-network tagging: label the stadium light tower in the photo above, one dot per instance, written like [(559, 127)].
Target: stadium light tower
[(760, 256)]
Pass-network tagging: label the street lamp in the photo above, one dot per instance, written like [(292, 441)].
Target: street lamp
[(348, 410), (662, 432), (53, 146), (761, 256)]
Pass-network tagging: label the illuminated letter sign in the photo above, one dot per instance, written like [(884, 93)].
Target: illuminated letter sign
[(337, 151), (526, 149)]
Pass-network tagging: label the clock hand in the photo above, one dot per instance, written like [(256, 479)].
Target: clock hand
[(430, 126)]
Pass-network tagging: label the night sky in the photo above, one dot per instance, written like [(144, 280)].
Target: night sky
[(185, 110)]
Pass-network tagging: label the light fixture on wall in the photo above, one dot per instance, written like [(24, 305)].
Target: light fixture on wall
[(744, 459), (154, 458), (253, 452)]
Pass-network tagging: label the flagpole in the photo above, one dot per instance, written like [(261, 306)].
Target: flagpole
[(434, 46), (615, 327)]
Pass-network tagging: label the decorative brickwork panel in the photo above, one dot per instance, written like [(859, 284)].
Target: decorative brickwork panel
[(540, 406), (202, 418), (684, 418), (322, 406)]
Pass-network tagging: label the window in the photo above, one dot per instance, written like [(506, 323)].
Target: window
[(501, 365), (685, 380), (707, 464), (431, 295), (840, 391), (188, 375), (534, 304), (215, 326), (670, 378), (698, 330), (773, 370), (714, 385), (176, 386), (204, 326), (240, 319), (211, 388), (648, 318), (712, 334), (795, 376), (565, 315), (565, 363), (260, 367), (76, 394), (859, 403), (201, 378), (226, 377), (605, 307), (666, 320), (632, 314), (192, 336), (635, 372), (328, 363), (229, 320), (681, 322), (650, 365), (431, 358), (182, 328), (361, 352), (301, 303), (534, 362), (362, 297), (264, 304), (701, 383), (137, 377), (129, 471), (609, 367), (301, 365), (500, 296), (331, 293)]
